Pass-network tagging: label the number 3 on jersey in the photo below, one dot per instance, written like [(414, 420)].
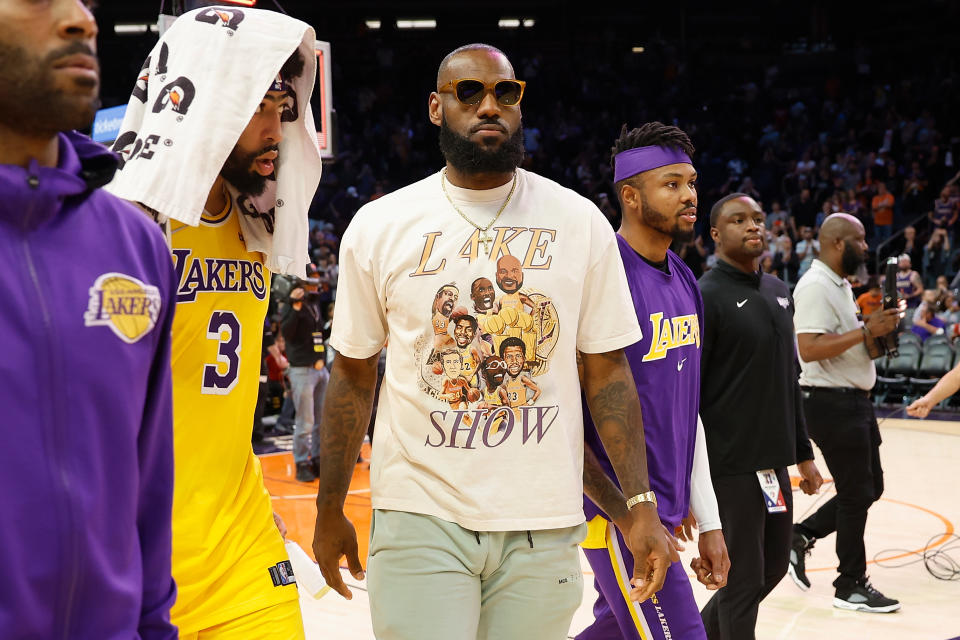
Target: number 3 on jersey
[(225, 329)]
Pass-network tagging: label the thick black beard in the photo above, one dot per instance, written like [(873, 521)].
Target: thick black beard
[(31, 102), (661, 222), (471, 158), (850, 260), (236, 170)]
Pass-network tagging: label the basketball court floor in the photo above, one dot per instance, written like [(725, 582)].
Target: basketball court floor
[(919, 511)]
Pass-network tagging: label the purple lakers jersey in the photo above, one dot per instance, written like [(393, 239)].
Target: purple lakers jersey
[(666, 368)]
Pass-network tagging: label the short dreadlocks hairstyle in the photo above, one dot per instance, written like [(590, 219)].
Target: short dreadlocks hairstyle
[(650, 134)]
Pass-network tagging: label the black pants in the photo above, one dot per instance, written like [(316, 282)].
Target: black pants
[(258, 412), (845, 428), (759, 546)]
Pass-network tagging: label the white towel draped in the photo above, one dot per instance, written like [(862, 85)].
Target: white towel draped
[(200, 86)]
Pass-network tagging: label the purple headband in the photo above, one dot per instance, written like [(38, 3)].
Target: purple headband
[(633, 161)]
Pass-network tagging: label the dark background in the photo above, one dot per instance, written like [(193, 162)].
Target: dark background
[(756, 85)]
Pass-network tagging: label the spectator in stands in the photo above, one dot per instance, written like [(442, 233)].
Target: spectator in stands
[(693, 254), (914, 187), (882, 207), (825, 210), (945, 211), (766, 264), (942, 287), (872, 299), (928, 324), (269, 349), (927, 299), (807, 249), (302, 330), (851, 204), (777, 214), (911, 247), (936, 257), (804, 211), (278, 389), (345, 203), (866, 189), (909, 283), (950, 313), (785, 262), (748, 188)]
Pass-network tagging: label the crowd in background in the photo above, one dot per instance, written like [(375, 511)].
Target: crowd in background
[(833, 126), (803, 146)]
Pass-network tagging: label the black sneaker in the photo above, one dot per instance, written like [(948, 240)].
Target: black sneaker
[(863, 597), (799, 549), (305, 472)]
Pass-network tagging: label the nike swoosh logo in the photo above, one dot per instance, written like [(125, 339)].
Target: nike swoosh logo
[(680, 364), (742, 302)]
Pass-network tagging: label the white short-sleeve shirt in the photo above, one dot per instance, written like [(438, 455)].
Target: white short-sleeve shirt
[(479, 419), (824, 303)]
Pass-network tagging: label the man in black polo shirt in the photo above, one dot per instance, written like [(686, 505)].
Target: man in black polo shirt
[(750, 406), (302, 328)]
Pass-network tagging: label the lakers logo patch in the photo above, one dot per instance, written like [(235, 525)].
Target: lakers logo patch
[(126, 305)]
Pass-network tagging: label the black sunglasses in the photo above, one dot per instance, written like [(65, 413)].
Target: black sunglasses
[(470, 91)]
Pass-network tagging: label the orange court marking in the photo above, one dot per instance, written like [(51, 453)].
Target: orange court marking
[(295, 502), (944, 538), (795, 484)]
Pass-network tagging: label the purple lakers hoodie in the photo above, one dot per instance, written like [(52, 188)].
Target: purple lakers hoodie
[(86, 464)]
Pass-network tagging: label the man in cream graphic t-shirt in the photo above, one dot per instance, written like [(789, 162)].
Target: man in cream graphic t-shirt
[(476, 480)]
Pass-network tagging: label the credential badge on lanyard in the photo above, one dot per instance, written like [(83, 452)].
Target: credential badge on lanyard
[(772, 495)]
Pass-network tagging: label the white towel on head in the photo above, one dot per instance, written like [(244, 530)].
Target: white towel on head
[(199, 87)]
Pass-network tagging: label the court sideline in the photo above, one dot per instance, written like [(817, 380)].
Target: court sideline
[(920, 502)]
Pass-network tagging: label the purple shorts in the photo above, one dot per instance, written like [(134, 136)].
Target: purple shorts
[(672, 614)]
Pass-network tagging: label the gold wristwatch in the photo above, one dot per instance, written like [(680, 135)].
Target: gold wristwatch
[(648, 496)]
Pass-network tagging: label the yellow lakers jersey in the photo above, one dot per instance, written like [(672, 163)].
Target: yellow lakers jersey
[(516, 392), (511, 301), (440, 323), (469, 368), (224, 537)]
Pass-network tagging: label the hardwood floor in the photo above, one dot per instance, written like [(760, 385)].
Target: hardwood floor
[(920, 506)]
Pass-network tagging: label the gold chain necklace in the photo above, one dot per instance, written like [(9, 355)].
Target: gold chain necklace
[(484, 238)]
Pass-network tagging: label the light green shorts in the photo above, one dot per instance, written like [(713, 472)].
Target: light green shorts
[(430, 579)]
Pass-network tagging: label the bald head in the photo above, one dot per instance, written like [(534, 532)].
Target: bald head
[(446, 72), (843, 246), (839, 226)]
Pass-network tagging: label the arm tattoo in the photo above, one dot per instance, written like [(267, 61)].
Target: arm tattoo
[(346, 414), (600, 488), (615, 408)]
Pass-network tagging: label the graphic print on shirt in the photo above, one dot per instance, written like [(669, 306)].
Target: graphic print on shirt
[(487, 364)]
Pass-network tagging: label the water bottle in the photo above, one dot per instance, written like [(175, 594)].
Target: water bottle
[(309, 579)]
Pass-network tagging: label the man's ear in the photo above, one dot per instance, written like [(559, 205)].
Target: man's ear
[(715, 234), (435, 108), (630, 196)]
